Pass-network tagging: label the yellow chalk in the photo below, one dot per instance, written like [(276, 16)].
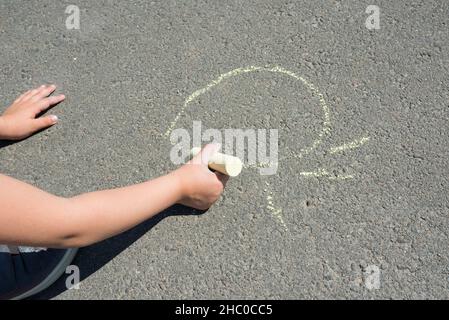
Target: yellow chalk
[(226, 164)]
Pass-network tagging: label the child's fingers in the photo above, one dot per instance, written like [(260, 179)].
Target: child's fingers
[(46, 103), (39, 92), (29, 94), (44, 122), (44, 91)]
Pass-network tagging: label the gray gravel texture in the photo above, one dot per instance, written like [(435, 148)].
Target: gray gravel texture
[(126, 73)]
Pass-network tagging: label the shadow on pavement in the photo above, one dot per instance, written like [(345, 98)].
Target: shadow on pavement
[(92, 258), (5, 143)]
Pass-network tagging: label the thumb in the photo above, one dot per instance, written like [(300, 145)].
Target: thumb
[(206, 153), (44, 122)]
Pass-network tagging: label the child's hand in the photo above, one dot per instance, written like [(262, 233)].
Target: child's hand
[(200, 186), (19, 120)]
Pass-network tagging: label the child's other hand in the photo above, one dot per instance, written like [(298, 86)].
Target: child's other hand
[(200, 186), (19, 120)]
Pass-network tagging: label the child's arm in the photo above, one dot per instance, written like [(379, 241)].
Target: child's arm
[(29, 216)]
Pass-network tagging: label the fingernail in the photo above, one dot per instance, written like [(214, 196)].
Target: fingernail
[(54, 118)]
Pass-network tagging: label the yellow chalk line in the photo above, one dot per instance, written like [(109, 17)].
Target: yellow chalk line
[(350, 145), (258, 165), (201, 91), (345, 177), (319, 173), (326, 128), (275, 212), (325, 109)]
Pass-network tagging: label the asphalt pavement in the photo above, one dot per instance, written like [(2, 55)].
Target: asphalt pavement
[(363, 215)]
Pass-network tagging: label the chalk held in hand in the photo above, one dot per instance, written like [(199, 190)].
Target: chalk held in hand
[(226, 164)]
